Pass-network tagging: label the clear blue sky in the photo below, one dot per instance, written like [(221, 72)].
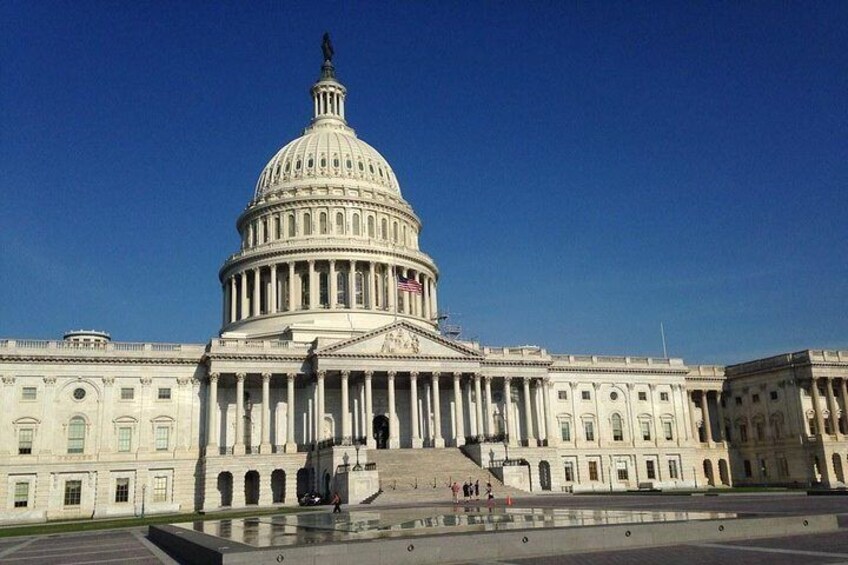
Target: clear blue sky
[(584, 171)]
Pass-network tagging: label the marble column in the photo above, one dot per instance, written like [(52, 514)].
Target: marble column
[(413, 413), (832, 408), (233, 299), (369, 411), (459, 436), (720, 416), (291, 307), (690, 397), (265, 446), (478, 405), (272, 296), (510, 425), (490, 412), (243, 291), (319, 408), (238, 444), (705, 414), (346, 433), (372, 286), (438, 440), (256, 300), (394, 437), (814, 392), (212, 430), (540, 411), (550, 424), (291, 443), (469, 402), (528, 413)]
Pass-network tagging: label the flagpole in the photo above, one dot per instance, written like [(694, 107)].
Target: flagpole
[(395, 290)]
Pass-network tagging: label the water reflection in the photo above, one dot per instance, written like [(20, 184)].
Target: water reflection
[(319, 527)]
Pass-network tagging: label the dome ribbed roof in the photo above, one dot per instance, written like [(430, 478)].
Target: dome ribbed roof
[(325, 154)]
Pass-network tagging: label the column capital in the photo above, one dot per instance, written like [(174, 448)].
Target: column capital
[(291, 376), (256, 269), (213, 377), (266, 376), (368, 375), (320, 375), (391, 374), (436, 375), (631, 386), (345, 374), (332, 262), (477, 376), (596, 386), (49, 381), (240, 377), (507, 380), (457, 375), (108, 381), (413, 374), (488, 378)]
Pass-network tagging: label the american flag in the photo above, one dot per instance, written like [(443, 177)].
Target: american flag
[(409, 285)]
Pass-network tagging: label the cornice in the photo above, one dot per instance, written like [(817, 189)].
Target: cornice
[(626, 370), (61, 359), (297, 202)]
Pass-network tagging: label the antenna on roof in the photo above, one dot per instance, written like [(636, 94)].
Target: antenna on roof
[(662, 334)]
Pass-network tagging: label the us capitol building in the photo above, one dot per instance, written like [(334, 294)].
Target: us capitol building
[(330, 373)]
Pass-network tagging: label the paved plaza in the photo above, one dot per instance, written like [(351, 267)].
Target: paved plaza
[(132, 546)]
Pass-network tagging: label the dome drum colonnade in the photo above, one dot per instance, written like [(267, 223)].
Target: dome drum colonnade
[(327, 229), (473, 420)]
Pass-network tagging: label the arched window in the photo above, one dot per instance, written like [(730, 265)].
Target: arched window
[(340, 223), (356, 224), (290, 220), (322, 222), (617, 428), (341, 288), (307, 224), (360, 286), (384, 228), (371, 226), (76, 435)]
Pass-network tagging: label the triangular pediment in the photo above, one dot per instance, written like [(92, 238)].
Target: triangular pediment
[(400, 339)]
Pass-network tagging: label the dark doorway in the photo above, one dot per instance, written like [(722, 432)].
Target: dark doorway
[(225, 488), (251, 487), (381, 431), (304, 481), (327, 480), (278, 486)]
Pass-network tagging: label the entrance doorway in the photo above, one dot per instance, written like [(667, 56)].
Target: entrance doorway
[(381, 431), (545, 475)]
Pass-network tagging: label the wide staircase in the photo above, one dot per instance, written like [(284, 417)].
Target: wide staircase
[(425, 475)]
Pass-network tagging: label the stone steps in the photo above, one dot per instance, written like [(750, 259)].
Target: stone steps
[(425, 475)]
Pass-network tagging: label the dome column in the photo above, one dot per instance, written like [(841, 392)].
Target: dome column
[(255, 301), (233, 299), (334, 290), (243, 282), (372, 287), (313, 294), (272, 294)]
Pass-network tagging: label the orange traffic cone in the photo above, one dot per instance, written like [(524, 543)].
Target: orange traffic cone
[(508, 500)]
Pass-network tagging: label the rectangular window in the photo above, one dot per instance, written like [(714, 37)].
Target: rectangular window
[(25, 436), (565, 430), (643, 395), (651, 471), (812, 424), (586, 395), (646, 430), (124, 439), (160, 489), (164, 394), (73, 493), (29, 393), (589, 430), (163, 435), (593, 470), (743, 432), (127, 393), (747, 466), (782, 467), (562, 394), (569, 472), (621, 468), (21, 495), (755, 398), (773, 395), (761, 431), (738, 400), (672, 469), (668, 432), (664, 396), (122, 490)]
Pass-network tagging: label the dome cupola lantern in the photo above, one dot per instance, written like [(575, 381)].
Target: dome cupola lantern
[(328, 94)]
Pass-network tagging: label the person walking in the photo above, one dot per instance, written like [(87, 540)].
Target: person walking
[(455, 491), (490, 494), (336, 501), (465, 491), (477, 489)]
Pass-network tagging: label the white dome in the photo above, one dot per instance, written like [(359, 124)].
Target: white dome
[(322, 154)]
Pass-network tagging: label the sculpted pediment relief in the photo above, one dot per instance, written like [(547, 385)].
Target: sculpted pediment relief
[(400, 340)]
